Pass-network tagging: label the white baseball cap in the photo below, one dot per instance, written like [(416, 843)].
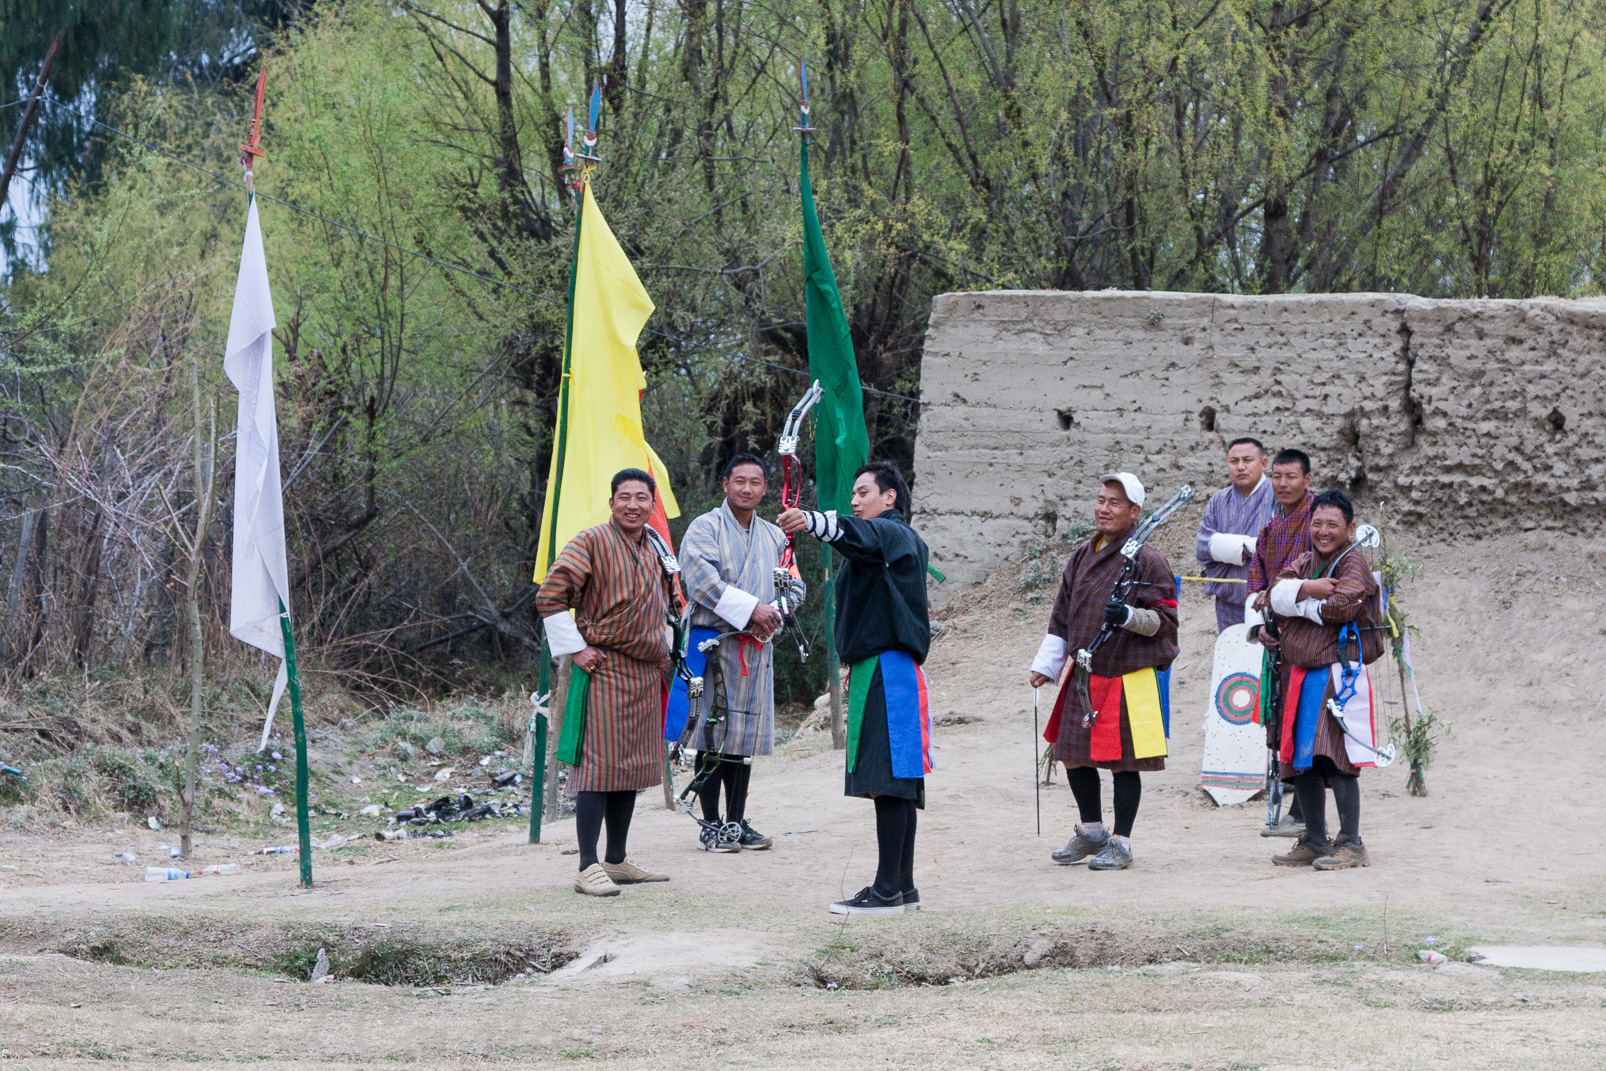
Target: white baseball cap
[(1129, 483)]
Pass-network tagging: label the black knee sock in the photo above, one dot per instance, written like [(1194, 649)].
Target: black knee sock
[(1085, 787), (1128, 791), (708, 795), (1347, 798), (589, 808), (737, 775), (1311, 789), (1294, 810), (907, 862), (620, 807), (891, 828)]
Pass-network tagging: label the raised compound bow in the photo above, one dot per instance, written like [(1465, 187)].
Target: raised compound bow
[(786, 598), (1123, 588)]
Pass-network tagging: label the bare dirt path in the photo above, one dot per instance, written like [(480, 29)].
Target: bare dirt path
[(1203, 955)]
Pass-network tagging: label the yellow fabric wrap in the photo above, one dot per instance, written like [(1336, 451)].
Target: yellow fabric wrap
[(1142, 691)]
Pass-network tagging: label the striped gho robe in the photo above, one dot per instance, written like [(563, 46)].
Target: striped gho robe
[(1309, 631), (1284, 538), (621, 596), (728, 570), (1128, 664)]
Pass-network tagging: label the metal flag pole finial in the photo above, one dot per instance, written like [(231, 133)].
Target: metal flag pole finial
[(253, 146), (803, 126)]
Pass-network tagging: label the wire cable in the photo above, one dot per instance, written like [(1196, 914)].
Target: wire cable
[(224, 179)]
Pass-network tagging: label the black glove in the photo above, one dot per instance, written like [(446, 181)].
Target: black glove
[(1116, 612)]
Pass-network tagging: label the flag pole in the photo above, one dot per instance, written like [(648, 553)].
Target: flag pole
[(303, 826), (544, 778)]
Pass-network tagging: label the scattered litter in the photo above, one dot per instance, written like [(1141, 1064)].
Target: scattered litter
[(278, 849), (435, 746), (336, 840), (166, 873), (154, 822), (76, 1004), (320, 968), (126, 858), (174, 851), (570, 851), (13, 770), (373, 810), (801, 832), (218, 869), (386, 859), (1431, 958), (444, 774), (356, 780), (508, 777), (485, 761), (456, 809), (406, 749)]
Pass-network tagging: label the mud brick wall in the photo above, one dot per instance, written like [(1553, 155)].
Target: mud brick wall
[(1445, 411)]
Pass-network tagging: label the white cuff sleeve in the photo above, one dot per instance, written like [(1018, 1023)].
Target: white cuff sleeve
[(1050, 657), (1285, 596), (1310, 610), (736, 606), (1252, 616), (562, 635), (1229, 549), (823, 525)]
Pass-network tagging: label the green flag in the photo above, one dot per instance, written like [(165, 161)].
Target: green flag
[(841, 443)]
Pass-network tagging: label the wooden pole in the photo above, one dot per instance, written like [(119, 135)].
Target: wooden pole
[(833, 665), (538, 731), (26, 122), (560, 697), (303, 827), (204, 476)]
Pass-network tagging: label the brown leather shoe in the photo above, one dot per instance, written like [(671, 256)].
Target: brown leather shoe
[(628, 873), (594, 881), (1303, 853), (1344, 854)]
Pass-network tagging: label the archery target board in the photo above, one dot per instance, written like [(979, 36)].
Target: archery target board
[(1235, 744)]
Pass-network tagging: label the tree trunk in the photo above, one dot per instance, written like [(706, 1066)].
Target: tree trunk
[(204, 451)]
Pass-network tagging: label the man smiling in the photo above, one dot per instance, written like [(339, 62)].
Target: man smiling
[(728, 558), (614, 579)]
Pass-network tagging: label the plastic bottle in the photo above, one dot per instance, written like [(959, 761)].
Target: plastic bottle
[(166, 873), (392, 834), (218, 868), (126, 858), (1432, 958)]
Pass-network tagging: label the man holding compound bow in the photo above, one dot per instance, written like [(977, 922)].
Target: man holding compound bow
[(616, 579), (1123, 729), (1327, 611), (728, 559), (882, 633)]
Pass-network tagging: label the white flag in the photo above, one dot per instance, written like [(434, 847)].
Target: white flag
[(261, 579)]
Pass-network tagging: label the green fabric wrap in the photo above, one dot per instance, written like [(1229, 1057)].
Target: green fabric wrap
[(859, 677), (574, 717)]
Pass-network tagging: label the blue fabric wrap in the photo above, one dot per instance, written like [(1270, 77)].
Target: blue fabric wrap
[(1309, 714), (679, 703), (1163, 680), (900, 685)]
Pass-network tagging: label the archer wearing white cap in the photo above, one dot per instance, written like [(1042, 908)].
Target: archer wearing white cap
[(1124, 688)]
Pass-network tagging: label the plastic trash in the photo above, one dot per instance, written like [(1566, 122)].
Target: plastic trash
[(166, 873), (278, 849), (392, 834), (507, 777), (153, 822), (320, 968), (126, 858), (444, 774), (175, 852), (1430, 957)]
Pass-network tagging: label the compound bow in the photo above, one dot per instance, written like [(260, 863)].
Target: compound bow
[(786, 599), (1123, 588)]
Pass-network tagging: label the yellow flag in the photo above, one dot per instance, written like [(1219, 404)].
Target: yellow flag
[(599, 409)]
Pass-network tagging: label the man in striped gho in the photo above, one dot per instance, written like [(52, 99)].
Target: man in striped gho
[(1232, 520), (614, 580)]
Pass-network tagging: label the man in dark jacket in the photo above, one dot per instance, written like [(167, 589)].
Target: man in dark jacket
[(882, 633)]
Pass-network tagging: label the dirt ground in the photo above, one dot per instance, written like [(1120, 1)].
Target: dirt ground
[(1201, 956)]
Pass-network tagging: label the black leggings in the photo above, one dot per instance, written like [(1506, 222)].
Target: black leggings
[(1128, 791), (1311, 787), (735, 775), (895, 843), (591, 809)]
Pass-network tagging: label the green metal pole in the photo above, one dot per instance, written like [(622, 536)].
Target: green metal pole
[(538, 727), (303, 827)]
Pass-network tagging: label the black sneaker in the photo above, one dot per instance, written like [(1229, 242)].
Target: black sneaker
[(869, 902), (911, 901), (751, 839)]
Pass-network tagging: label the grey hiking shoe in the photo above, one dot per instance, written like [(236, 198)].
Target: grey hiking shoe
[(1115, 856), (1079, 847), (1287, 826)]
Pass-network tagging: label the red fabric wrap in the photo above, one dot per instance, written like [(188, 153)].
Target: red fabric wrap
[(1105, 695), (1296, 681)]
